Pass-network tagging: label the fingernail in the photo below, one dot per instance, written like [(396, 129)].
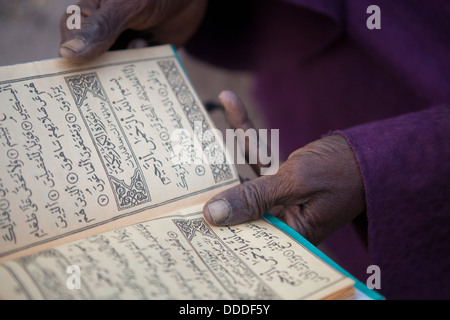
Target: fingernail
[(219, 210), (76, 44)]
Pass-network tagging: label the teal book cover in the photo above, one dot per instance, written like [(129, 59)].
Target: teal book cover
[(362, 291)]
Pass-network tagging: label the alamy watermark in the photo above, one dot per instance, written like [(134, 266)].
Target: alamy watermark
[(74, 20), (74, 279), (202, 147), (205, 146), (374, 20), (374, 280)]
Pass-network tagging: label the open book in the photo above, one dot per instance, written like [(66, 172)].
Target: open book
[(98, 199)]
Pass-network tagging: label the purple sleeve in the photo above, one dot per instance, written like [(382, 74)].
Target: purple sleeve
[(321, 68), (405, 164)]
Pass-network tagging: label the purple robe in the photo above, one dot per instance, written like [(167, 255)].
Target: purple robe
[(320, 70)]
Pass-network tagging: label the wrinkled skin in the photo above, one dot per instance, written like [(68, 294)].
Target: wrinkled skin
[(316, 191), (168, 21)]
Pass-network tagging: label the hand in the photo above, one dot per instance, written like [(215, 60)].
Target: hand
[(102, 22), (317, 190)]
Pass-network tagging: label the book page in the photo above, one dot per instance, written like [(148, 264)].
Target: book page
[(176, 256), (88, 148)]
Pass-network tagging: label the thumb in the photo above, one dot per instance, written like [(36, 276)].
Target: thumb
[(99, 30), (238, 118), (245, 202)]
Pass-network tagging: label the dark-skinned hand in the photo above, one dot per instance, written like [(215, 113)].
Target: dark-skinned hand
[(151, 21), (316, 191)]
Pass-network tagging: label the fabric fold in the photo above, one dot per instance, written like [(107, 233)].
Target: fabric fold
[(403, 162)]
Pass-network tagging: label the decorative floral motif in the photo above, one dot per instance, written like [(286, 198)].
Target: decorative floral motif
[(80, 85), (190, 227), (221, 172), (133, 194), (221, 258), (127, 195)]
